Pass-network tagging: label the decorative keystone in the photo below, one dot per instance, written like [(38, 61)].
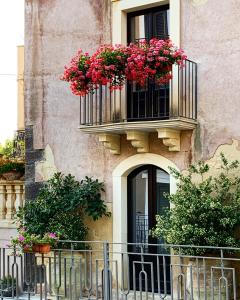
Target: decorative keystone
[(170, 138), (138, 140), (111, 142)]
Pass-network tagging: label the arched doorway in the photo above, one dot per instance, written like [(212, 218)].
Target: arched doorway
[(120, 196), (146, 187), (120, 174)]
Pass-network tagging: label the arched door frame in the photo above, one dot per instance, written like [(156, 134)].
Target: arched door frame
[(120, 174)]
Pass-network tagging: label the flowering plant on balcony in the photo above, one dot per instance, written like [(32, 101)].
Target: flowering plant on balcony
[(114, 64), (77, 73), (27, 242), (108, 66), (161, 55)]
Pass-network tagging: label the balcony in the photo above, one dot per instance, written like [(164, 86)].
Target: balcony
[(166, 109), (11, 199)]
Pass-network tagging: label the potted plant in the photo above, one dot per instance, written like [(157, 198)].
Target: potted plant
[(205, 211), (8, 286), (12, 170), (34, 243)]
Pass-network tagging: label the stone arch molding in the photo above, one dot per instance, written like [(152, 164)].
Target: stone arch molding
[(120, 174)]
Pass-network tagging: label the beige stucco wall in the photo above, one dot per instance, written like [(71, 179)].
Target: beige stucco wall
[(20, 87), (210, 34), (55, 30)]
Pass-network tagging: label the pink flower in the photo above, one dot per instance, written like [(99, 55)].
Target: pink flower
[(114, 64), (166, 52), (52, 235), (21, 238)]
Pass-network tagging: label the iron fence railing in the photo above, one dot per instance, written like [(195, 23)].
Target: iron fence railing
[(178, 99), (102, 270)]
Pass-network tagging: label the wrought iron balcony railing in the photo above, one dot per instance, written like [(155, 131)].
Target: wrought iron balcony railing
[(175, 100)]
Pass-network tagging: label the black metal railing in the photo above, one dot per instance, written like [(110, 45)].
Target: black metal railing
[(19, 144), (177, 99), (112, 271)]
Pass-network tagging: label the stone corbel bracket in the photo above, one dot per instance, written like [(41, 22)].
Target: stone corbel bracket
[(138, 140), (170, 138), (111, 142)]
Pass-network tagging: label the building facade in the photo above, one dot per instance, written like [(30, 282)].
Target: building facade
[(131, 144)]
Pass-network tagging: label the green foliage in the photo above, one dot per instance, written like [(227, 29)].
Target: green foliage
[(25, 240), (8, 286), (7, 166), (71, 227), (7, 149), (204, 212), (61, 207), (8, 281)]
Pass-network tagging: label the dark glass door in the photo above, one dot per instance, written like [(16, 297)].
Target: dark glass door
[(147, 186), (152, 101)]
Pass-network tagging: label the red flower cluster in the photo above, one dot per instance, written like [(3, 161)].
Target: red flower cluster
[(76, 74), (113, 65)]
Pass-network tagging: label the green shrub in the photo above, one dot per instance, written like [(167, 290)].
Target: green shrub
[(61, 206), (205, 212), (8, 166), (8, 286), (7, 149)]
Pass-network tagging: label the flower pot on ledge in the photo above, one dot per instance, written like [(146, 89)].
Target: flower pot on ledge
[(38, 248), (12, 175), (41, 248), (27, 249)]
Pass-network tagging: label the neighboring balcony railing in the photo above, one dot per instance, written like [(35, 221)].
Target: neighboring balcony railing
[(175, 100), (112, 271), (19, 144), (12, 197)]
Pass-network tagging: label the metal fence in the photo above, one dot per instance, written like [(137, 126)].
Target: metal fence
[(178, 99), (102, 270)]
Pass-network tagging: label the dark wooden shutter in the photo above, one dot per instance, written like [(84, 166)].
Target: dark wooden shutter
[(160, 24)]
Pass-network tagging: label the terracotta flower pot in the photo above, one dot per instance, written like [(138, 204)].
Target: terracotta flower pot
[(12, 175), (41, 248), (27, 249)]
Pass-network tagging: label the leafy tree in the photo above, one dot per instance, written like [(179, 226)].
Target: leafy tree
[(204, 212), (7, 149), (61, 206)]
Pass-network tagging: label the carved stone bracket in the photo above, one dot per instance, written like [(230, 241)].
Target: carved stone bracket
[(111, 142), (170, 138), (138, 140)]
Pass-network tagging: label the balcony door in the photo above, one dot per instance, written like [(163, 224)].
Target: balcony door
[(152, 101), (147, 186)]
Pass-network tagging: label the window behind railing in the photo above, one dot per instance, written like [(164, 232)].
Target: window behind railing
[(152, 101)]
